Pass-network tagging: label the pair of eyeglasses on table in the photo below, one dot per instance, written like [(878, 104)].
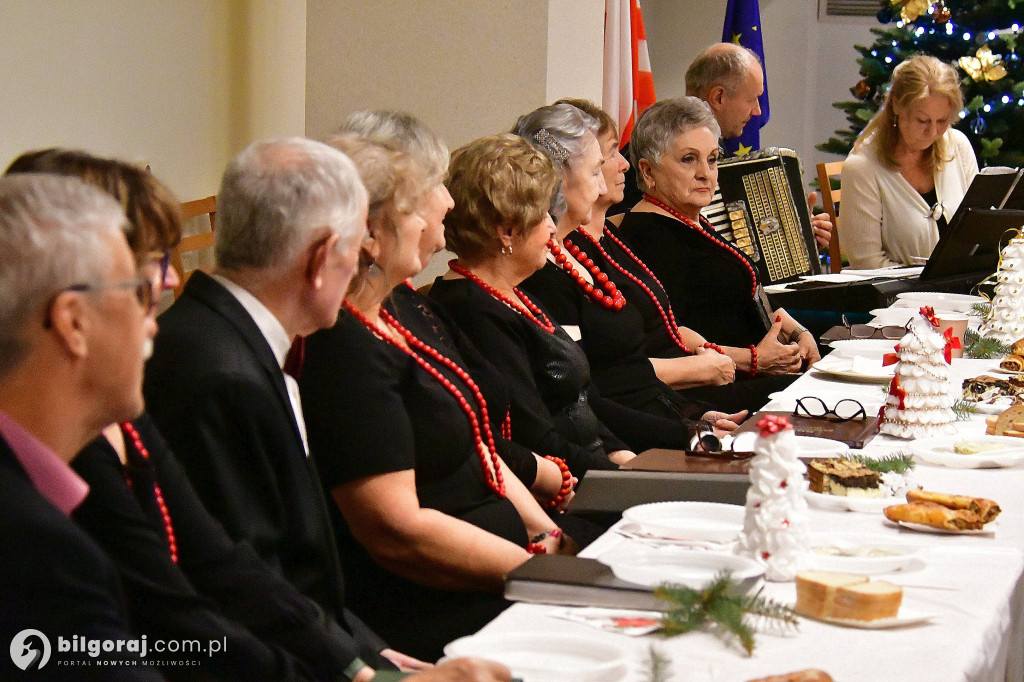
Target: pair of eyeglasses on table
[(845, 410), (866, 331)]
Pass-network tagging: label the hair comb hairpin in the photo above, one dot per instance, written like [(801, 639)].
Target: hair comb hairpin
[(551, 146)]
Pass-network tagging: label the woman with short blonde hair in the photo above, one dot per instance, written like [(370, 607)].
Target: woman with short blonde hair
[(908, 171)]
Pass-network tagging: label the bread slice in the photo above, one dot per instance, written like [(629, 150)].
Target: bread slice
[(815, 591), (824, 594), (868, 601)]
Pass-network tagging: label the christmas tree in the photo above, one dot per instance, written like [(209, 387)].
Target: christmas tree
[(1005, 319), (979, 37)]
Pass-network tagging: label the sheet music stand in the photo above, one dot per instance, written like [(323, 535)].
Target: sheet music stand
[(972, 242)]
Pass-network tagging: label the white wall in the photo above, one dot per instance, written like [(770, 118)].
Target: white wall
[(177, 84), (810, 63)]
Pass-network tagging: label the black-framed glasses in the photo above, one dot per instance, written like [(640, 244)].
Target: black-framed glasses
[(865, 331), (163, 260), (844, 410)]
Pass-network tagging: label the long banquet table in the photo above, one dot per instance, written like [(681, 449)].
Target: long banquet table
[(973, 584)]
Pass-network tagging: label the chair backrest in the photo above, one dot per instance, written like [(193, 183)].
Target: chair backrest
[(830, 198), (195, 242)]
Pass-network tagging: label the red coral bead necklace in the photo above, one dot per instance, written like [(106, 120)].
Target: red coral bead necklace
[(613, 299), (524, 306), (172, 542), (481, 426)]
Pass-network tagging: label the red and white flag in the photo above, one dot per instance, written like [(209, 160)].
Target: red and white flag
[(628, 83)]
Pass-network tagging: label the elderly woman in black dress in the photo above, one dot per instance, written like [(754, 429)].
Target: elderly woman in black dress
[(712, 287), (429, 521), (700, 369)]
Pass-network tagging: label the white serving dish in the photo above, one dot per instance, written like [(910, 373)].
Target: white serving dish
[(709, 521), (855, 369), (820, 447), (956, 303), (653, 566), (894, 317), (939, 450), (856, 553), (905, 618), (546, 657), (867, 348), (866, 505)]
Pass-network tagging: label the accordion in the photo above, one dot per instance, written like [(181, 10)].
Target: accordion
[(759, 206)]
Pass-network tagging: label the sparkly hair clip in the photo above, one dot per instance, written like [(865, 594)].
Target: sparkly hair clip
[(552, 147)]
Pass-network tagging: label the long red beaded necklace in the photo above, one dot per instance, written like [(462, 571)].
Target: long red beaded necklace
[(481, 426), (668, 318), (613, 300), (172, 542), (720, 244), (524, 306)]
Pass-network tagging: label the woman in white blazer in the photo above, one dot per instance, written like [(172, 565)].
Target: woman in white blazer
[(908, 170)]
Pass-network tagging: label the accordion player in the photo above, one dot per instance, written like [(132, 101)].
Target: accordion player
[(759, 207)]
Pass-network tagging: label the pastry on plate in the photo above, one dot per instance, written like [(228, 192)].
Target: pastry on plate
[(1012, 363), (987, 510), (844, 477), (934, 515)]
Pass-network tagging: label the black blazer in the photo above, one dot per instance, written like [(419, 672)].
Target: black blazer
[(54, 579), (215, 391)]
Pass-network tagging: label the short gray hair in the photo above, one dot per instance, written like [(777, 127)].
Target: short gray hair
[(720, 65), (53, 234), (404, 132), (275, 195), (662, 123), (559, 131)]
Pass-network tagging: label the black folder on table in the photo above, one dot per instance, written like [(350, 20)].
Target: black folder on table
[(971, 243)]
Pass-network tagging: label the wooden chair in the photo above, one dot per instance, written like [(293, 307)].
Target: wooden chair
[(830, 198), (195, 242)]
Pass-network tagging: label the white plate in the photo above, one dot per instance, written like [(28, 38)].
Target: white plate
[(921, 528), (905, 618), (546, 657), (866, 505), (855, 369), (868, 348), (689, 520), (820, 447), (652, 566), (897, 317), (855, 559), (999, 370), (998, 406), (940, 451), (957, 303)]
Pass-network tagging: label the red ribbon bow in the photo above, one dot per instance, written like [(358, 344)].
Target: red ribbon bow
[(951, 343), (771, 423), (896, 390), (929, 314)]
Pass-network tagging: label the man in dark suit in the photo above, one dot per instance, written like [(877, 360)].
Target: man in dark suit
[(75, 322), (291, 217)]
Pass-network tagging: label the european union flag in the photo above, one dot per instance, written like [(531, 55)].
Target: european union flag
[(743, 27)]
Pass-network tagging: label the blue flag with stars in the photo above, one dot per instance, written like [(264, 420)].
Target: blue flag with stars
[(743, 27)]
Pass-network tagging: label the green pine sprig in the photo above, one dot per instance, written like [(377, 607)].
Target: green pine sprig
[(657, 665), (980, 309), (721, 608), (964, 409), (900, 462), (977, 346)]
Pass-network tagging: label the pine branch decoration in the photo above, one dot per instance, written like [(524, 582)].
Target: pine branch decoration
[(977, 346), (657, 665), (964, 409), (900, 462), (720, 608)]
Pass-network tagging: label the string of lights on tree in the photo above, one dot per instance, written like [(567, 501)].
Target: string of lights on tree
[(980, 39)]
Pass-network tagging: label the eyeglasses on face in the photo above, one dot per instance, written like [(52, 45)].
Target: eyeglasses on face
[(143, 290), (163, 260), (844, 410), (864, 331)]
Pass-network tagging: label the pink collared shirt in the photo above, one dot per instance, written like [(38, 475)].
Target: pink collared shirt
[(49, 474)]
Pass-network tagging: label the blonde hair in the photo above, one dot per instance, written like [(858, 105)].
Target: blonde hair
[(496, 181), (916, 78), (394, 181)]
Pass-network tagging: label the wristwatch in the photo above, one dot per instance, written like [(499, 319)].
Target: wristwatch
[(794, 335)]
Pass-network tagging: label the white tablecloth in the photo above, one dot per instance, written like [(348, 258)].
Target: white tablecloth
[(973, 584)]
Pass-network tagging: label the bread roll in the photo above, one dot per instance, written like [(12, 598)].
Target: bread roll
[(934, 515), (987, 510)]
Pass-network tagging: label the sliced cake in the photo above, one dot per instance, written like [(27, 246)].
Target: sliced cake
[(837, 476)]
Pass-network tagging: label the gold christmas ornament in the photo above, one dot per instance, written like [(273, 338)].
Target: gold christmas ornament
[(984, 66), (912, 9)]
